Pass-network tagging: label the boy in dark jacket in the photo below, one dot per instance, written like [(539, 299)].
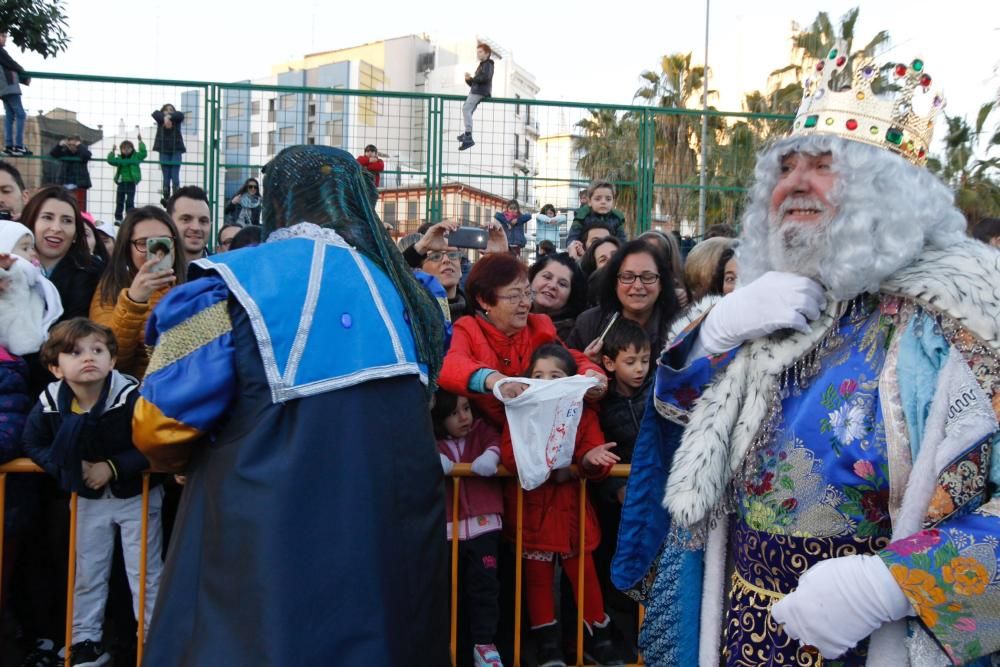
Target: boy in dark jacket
[(80, 432), (74, 174), (480, 87), (11, 77), (600, 210)]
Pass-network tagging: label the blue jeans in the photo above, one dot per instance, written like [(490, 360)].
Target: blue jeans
[(471, 102), (13, 110), (171, 172)]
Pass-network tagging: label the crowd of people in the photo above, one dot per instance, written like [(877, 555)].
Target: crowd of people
[(809, 409)]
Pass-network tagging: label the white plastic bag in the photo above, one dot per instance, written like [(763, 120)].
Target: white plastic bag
[(543, 422)]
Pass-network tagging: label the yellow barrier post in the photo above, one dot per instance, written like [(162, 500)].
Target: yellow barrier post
[(454, 569), (143, 554), (71, 577), (518, 565), (579, 571)]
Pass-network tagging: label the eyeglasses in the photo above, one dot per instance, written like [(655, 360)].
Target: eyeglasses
[(518, 297), (139, 244), (647, 278), (437, 256), (251, 187)]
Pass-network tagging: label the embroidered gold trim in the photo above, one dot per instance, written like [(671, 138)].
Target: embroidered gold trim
[(190, 335), (741, 583)]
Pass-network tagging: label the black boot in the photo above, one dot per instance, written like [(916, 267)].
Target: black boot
[(548, 653), (464, 136), (599, 648), (467, 143)]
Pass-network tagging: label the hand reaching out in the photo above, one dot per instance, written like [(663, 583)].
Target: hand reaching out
[(601, 457)]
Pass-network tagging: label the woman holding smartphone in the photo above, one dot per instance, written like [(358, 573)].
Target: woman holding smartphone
[(133, 283)]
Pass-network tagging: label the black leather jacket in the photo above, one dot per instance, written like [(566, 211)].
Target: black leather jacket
[(482, 81)]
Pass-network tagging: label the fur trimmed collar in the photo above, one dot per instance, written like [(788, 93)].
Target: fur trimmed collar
[(961, 283)]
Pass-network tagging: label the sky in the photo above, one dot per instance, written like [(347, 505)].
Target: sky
[(581, 51)]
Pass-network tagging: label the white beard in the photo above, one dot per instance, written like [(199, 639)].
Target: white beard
[(799, 248)]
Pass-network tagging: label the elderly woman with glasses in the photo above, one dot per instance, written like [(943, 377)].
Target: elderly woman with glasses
[(498, 341), (131, 286), (632, 288)]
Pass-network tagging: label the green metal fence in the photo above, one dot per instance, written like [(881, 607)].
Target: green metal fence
[(536, 151)]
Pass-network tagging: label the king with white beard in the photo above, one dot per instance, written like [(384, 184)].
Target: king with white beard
[(825, 434)]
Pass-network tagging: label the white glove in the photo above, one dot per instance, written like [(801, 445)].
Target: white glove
[(773, 302), (446, 464), (486, 463), (841, 601)]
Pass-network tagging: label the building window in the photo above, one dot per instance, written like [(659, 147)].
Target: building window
[(336, 104), (412, 211), (466, 212), (389, 212), (233, 142), (311, 141), (527, 114), (234, 110), (517, 107), (369, 78), (271, 136), (335, 133), (287, 102), (255, 107), (312, 109), (527, 150), (287, 136), (517, 147), (517, 192), (479, 215), (255, 139)]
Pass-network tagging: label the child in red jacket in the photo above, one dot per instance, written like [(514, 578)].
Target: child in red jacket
[(463, 439), (551, 515), (373, 163)]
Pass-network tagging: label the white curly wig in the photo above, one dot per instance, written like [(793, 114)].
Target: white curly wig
[(887, 211)]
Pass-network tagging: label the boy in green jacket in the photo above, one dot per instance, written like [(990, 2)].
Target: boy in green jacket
[(127, 174)]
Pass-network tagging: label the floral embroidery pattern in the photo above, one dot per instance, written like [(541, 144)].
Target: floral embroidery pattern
[(849, 417), (869, 499)]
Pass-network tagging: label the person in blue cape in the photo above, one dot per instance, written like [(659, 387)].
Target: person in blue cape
[(290, 383)]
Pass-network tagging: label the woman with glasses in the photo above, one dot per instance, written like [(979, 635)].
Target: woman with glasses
[(632, 288), (130, 287), (244, 207), (498, 341)]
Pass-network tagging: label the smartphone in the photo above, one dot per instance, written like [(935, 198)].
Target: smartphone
[(468, 237), (160, 248)]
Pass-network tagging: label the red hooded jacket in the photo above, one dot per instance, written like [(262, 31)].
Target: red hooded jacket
[(551, 513)]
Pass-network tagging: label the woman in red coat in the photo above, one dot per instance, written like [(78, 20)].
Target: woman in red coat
[(498, 341)]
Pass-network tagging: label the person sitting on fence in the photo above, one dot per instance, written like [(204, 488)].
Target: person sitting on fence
[(463, 438), (480, 87), (169, 142), (74, 175), (127, 174), (373, 163), (551, 528), (513, 222), (11, 77), (80, 433), (244, 208), (600, 209)]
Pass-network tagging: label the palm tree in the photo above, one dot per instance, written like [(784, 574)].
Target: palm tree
[(609, 144), (974, 181), (677, 131), (821, 36)]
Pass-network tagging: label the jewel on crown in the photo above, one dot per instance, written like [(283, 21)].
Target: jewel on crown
[(840, 98)]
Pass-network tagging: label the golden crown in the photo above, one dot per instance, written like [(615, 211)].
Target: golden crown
[(890, 105)]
